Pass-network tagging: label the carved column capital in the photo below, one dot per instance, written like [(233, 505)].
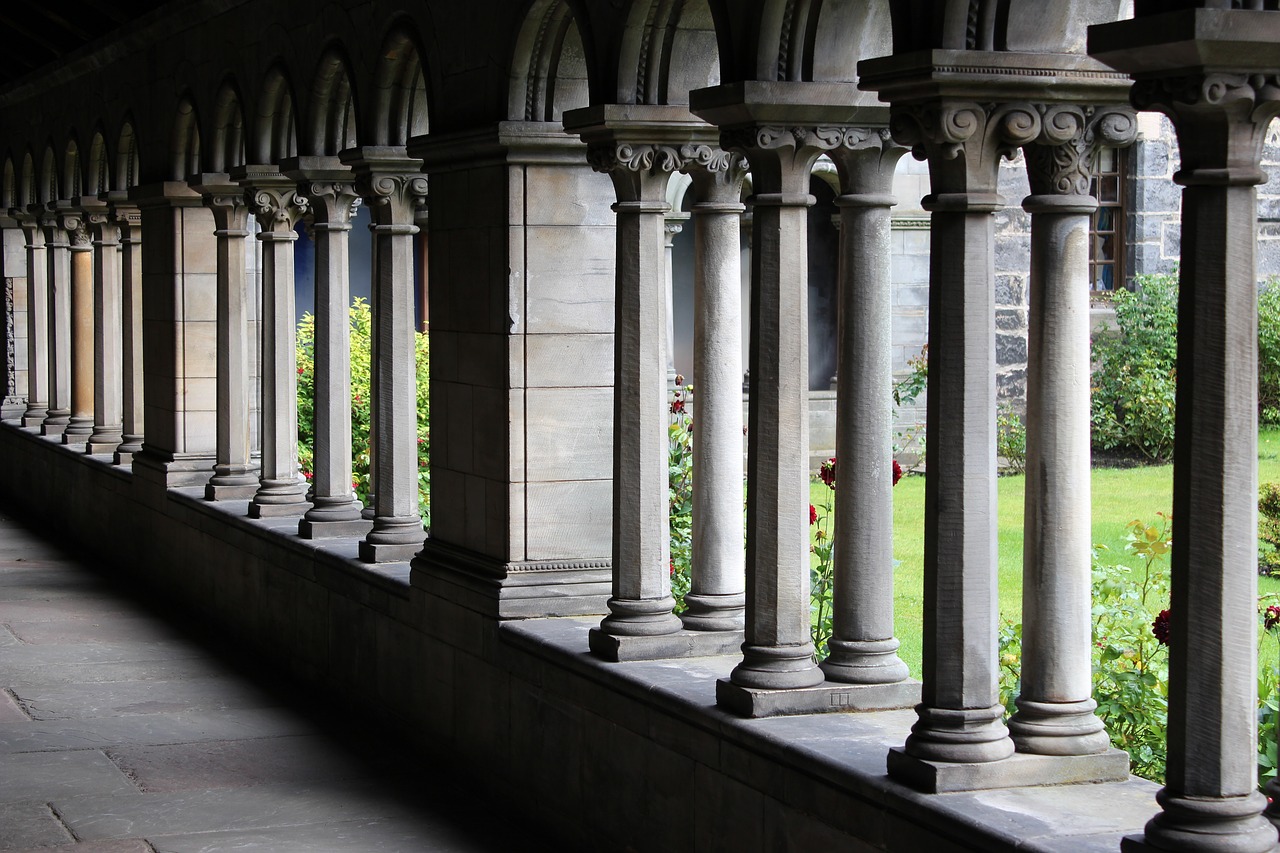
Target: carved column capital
[(277, 207), (1060, 159), (781, 156), (73, 222), (639, 170), (393, 197), (333, 203), (104, 227), (717, 174), (1221, 119), (866, 166), (963, 141)]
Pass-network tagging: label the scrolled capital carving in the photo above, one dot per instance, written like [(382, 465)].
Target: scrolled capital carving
[(276, 208), (392, 197), (963, 141), (717, 174), (333, 203), (1060, 160), (1221, 119), (611, 157)]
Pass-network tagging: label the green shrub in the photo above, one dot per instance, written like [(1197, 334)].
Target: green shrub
[(1134, 370), (680, 481), (361, 337), (1269, 353), (1011, 439)]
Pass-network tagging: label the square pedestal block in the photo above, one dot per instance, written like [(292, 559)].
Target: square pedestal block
[(827, 697), (681, 644), (1019, 770)]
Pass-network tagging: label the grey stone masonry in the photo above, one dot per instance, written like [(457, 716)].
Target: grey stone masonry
[(390, 182), (1210, 801), (131, 379), (274, 201), (234, 477), (13, 282), (58, 256)]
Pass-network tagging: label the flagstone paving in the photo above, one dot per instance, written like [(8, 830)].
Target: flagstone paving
[(123, 732)]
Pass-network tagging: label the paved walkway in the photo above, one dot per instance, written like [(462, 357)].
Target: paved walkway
[(122, 733)]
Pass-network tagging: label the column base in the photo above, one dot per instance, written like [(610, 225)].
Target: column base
[(1058, 728), (309, 529), (55, 429), (123, 457), (864, 662), (1016, 771), (166, 471), (273, 510), (78, 429), (100, 448), (33, 420), (827, 697), (77, 441), (960, 735), (375, 552), (715, 612), (330, 509), (641, 617), (13, 408), (230, 491), (777, 667), (105, 439), (681, 644), (1206, 825)]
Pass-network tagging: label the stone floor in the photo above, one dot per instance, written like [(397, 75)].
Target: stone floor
[(125, 732)]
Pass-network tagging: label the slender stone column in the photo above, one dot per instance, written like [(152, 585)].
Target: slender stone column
[(672, 225), (778, 652), (37, 321), (58, 255), (127, 217), (335, 510), (392, 185), (716, 599), (107, 324), (1055, 709), (641, 604), (960, 716), (862, 647), (273, 199), (234, 477), (80, 424)]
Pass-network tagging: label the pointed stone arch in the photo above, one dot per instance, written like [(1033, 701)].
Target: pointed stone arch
[(72, 169), (27, 181), (184, 143), (97, 165), (399, 94), (549, 65), (227, 148), (128, 171), (47, 185), (8, 186), (331, 124), (274, 132), (668, 48)]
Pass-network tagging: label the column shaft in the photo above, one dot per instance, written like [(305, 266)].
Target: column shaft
[(37, 325), (717, 594), (131, 334), (108, 414), (80, 424), (58, 255)]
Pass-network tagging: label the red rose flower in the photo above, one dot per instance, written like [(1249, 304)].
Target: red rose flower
[(827, 473), (897, 472), (813, 514), (1160, 628)]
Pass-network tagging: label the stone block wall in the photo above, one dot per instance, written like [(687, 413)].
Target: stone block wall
[(13, 353)]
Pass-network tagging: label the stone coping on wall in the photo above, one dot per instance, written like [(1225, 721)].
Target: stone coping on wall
[(824, 770)]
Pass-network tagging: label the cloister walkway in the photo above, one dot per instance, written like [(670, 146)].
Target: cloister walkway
[(124, 732)]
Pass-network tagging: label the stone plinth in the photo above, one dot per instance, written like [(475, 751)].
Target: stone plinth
[(825, 698)]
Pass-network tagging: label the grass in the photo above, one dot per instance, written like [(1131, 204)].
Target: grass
[(1119, 497)]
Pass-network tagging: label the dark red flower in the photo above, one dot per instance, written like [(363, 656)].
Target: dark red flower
[(672, 564), (677, 406), (1271, 618), (827, 473), (897, 472), (813, 514), (1160, 627)]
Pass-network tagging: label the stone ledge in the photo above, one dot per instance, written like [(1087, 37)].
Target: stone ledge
[(828, 697), (1017, 771)]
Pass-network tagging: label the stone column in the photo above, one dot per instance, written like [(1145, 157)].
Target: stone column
[(37, 321), (80, 424), (1055, 713), (58, 254), (234, 477), (716, 599), (274, 201), (672, 225), (391, 183), (639, 161), (333, 198), (960, 716), (107, 324), (862, 647), (127, 217)]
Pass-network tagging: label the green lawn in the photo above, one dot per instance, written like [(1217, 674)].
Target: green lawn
[(1119, 496)]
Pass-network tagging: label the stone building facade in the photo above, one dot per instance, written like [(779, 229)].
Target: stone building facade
[(531, 633)]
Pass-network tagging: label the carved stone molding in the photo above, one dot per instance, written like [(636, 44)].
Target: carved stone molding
[(333, 203), (717, 174), (1060, 159), (77, 231), (393, 198), (104, 227), (1221, 119)]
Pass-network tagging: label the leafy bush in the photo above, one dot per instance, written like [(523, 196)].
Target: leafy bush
[(1011, 439), (361, 337), (905, 392), (1269, 529), (1269, 353), (680, 479), (1134, 371)]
